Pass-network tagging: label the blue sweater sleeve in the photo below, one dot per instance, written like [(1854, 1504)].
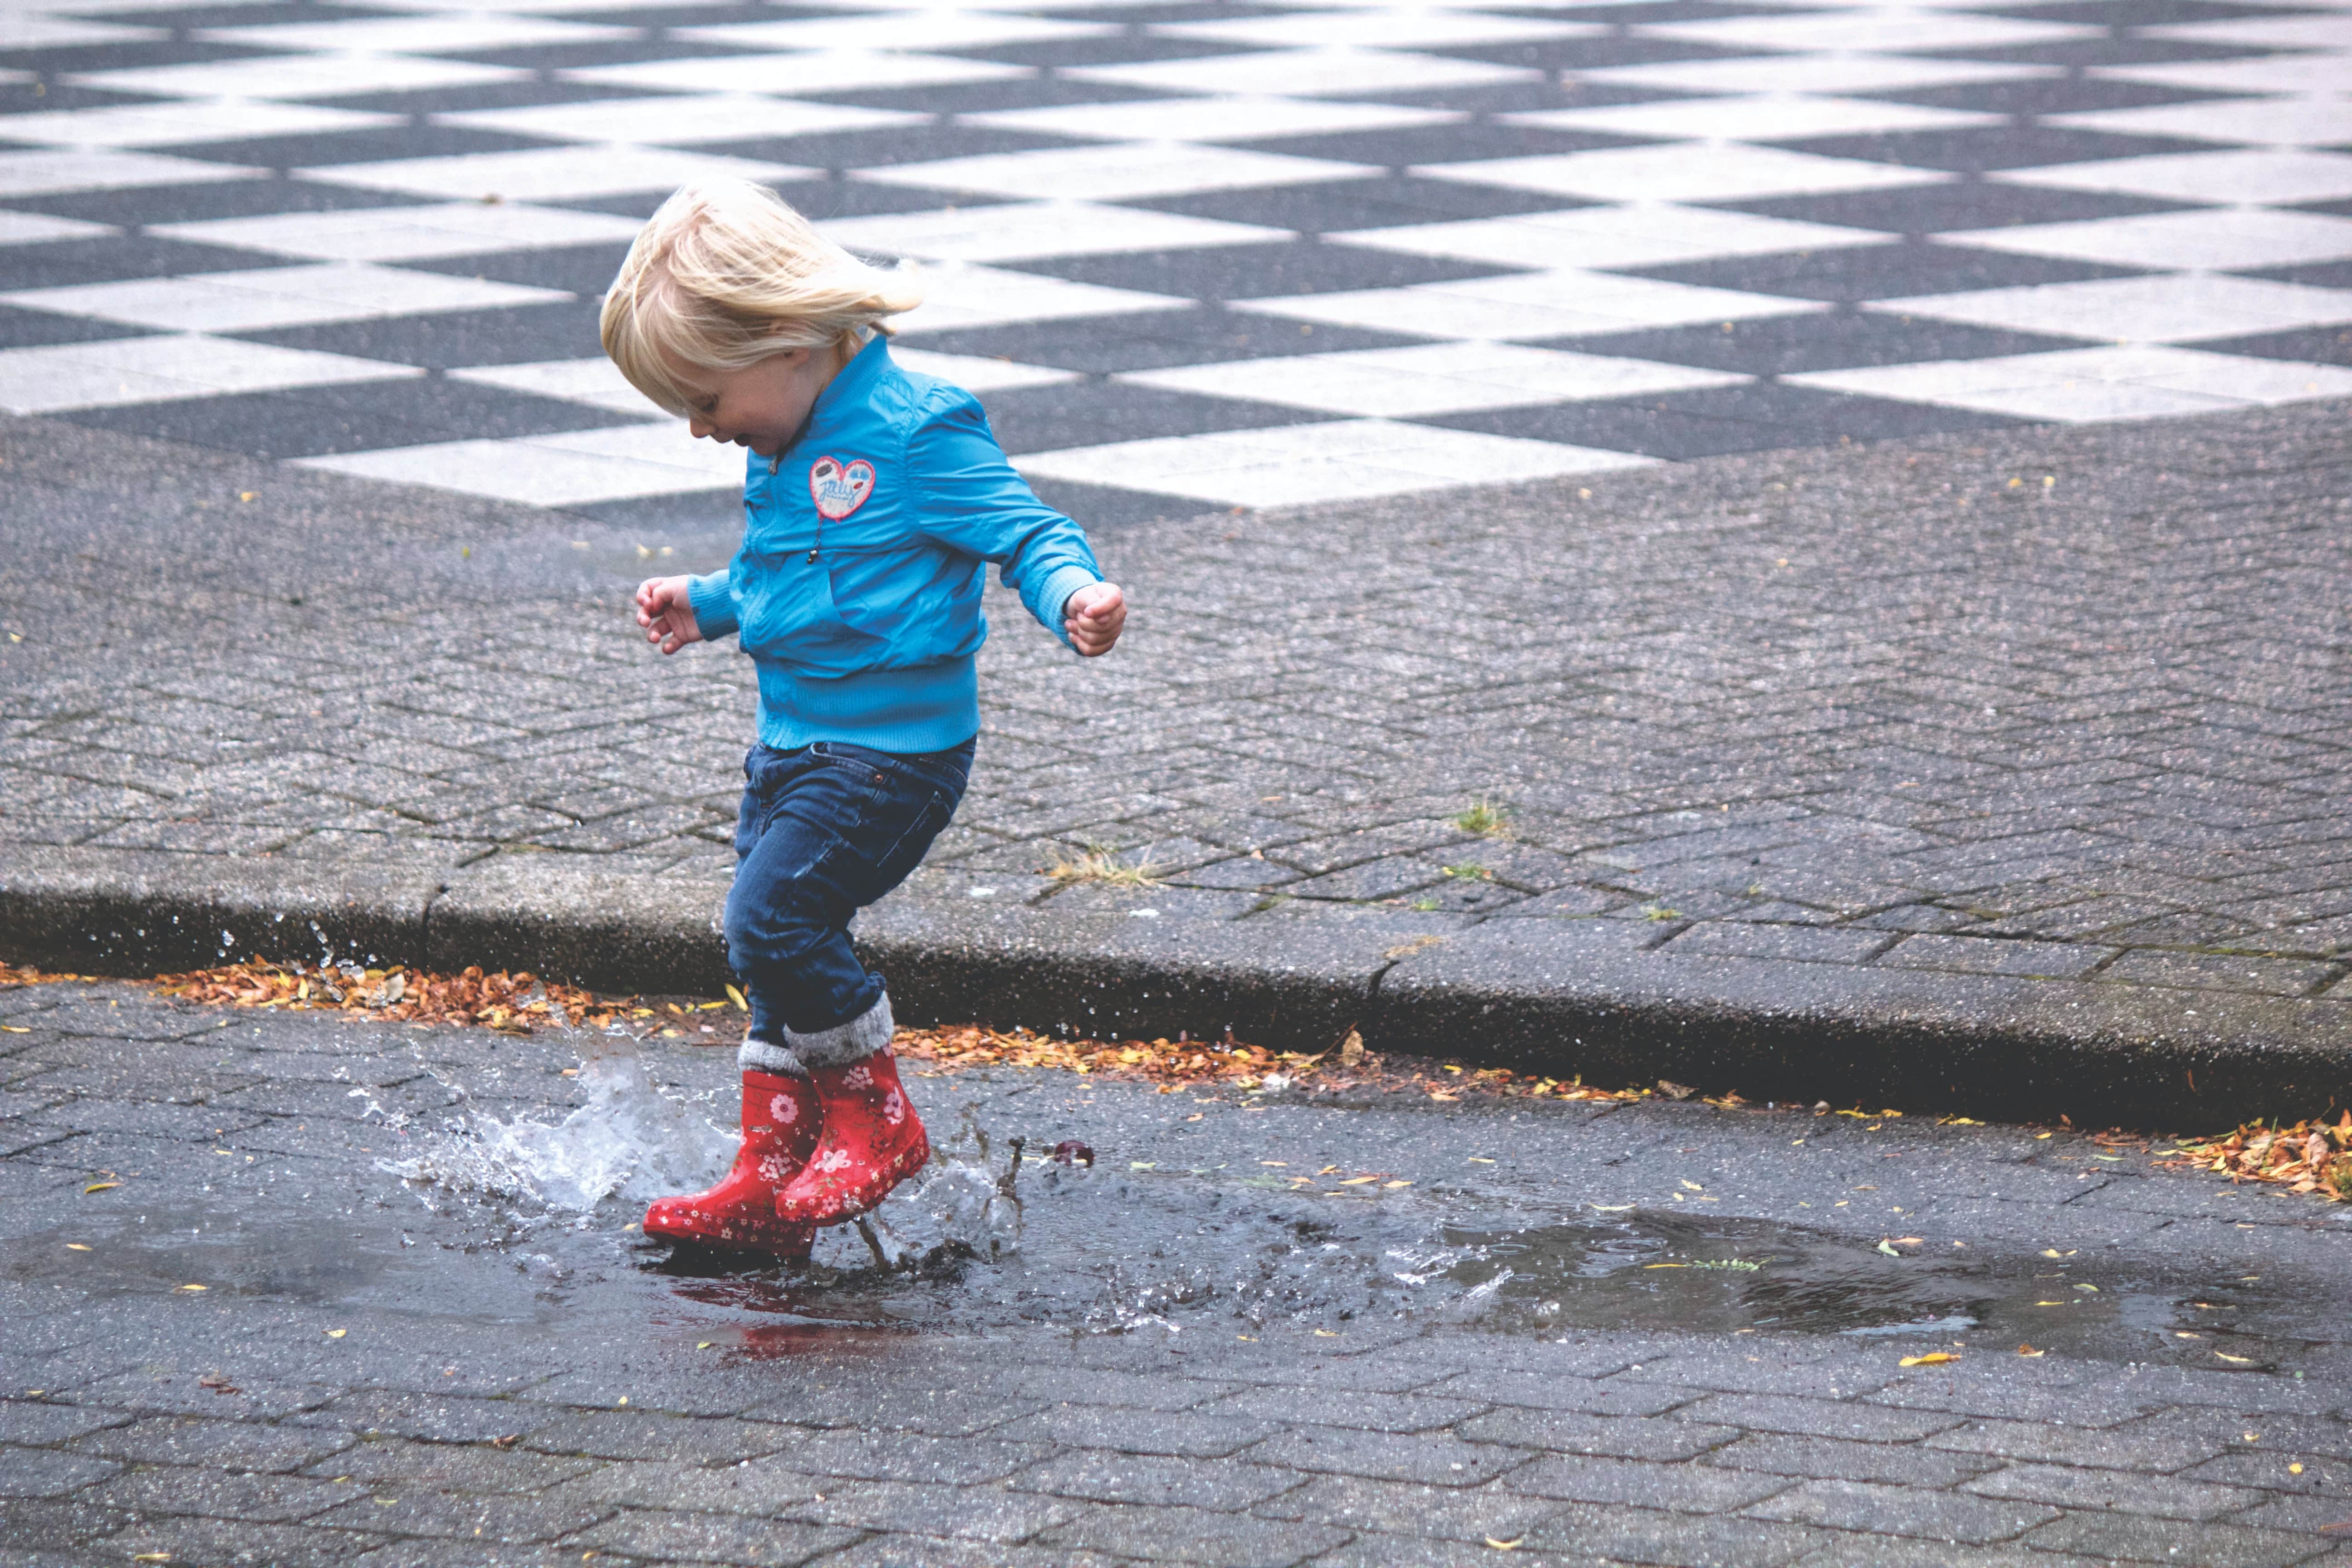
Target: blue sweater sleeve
[(973, 500), (712, 599)]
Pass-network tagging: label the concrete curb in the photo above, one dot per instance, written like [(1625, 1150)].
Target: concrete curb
[(1557, 996)]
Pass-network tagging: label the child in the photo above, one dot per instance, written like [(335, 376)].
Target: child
[(872, 498)]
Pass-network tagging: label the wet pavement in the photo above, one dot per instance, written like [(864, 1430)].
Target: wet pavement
[(286, 1288)]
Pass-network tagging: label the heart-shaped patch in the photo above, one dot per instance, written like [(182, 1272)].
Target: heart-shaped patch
[(839, 489)]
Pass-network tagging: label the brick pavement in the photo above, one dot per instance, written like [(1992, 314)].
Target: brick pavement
[(2056, 714), (374, 1379)]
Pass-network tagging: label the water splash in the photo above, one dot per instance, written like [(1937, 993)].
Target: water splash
[(630, 1143)]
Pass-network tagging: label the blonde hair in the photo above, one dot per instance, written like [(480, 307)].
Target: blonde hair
[(725, 274)]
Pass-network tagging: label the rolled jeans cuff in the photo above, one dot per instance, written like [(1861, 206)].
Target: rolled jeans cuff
[(845, 1043), (765, 1056)]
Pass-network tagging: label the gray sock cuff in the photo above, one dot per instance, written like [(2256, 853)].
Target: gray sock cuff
[(845, 1043), (759, 1056)]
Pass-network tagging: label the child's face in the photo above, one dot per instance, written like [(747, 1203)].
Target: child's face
[(759, 406)]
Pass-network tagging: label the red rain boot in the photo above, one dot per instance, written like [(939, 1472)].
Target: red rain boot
[(871, 1140), (779, 1128)]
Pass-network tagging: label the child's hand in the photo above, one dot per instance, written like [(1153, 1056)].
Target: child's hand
[(667, 616), (1094, 616)]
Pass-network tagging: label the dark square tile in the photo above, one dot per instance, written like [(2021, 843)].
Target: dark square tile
[(61, 263), (270, 13), (722, 13), (2076, 54), (377, 145), (1463, 144), (1144, 15), (1974, 149), (1835, 340), (1259, 271), (1099, 505), (1895, 270), (986, 97), (587, 55), (1381, 201), (1199, 334), (355, 418), (481, 96), (2045, 95), (1095, 413), (150, 205), (1524, 96), (57, 98), (888, 145), (817, 199), (575, 269), (1590, 54), (38, 329), (1112, 49), (518, 334), (2334, 209), (1756, 418), (2306, 346), (1646, 13), (133, 56), (1955, 209), (2141, 13), (2334, 274)]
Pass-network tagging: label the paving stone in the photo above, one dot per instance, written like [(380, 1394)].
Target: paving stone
[(712, 1538), (1182, 1434), (2164, 1497), (1904, 1511), (1404, 1508), (1191, 1535), (36, 1472), (1337, 1450), (2151, 1445), (632, 1434), (977, 1513), (459, 1467), (405, 1509), (269, 1500), (2116, 1537), (29, 1421), (1815, 1417), (1572, 1432), (1834, 1458), (234, 1544), (1688, 1488), (1227, 1485), (1636, 1535), (230, 1445)]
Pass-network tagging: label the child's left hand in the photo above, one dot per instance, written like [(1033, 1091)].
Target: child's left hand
[(1094, 616)]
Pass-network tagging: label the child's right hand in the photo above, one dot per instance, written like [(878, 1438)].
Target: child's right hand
[(666, 614)]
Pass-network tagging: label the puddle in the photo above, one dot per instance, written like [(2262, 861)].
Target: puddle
[(523, 1220)]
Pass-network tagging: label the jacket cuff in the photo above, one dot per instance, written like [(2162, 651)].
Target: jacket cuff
[(1053, 598), (712, 599)]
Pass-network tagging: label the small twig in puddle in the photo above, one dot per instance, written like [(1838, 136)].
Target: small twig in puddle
[(874, 1245)]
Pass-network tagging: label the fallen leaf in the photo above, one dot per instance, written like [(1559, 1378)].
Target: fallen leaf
[(2239, 1360), (2295, 1470), (1665, 1266), (1692, 1188), (100, 1186), (1933, 1358), (1510, 1545), (1613, 1208), (77, 1247), (1909, 1241), (1357, 1181), (337, 1333), (1888, 1248), (192, 1287), (1675, 1090), (2030, 1351), (1325, 1335), (1386, 1187)]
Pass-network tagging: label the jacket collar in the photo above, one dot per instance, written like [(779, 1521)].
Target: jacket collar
[(849, 391)]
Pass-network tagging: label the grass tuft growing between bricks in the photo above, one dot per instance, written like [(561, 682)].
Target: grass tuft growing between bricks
[(1097, 864)]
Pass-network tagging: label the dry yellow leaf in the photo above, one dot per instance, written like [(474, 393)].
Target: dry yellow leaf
[(1665, 1266), (2239, 1360), (192, 1287), (100, 1186), (1510, 1545), (1357, 1181), (77, 1247), (337, 1333), (2030, 1351), (1933, 1358)]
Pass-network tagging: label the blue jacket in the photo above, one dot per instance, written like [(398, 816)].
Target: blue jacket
[(898, 488)]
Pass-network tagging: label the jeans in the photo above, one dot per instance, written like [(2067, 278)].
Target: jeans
[(824, 831)]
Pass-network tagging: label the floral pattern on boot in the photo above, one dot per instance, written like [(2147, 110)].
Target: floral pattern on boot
[(870, 1141), (779, 1128)]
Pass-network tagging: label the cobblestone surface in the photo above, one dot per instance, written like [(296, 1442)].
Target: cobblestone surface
[(1194, 1360), (2051, 704)]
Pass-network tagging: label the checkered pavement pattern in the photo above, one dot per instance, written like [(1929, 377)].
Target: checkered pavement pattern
[(1191, 254)]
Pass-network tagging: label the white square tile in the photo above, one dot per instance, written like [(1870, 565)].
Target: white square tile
[(1822, 73), (275, 297), (1760, 117), (2315, 73), (1528, 306), (2226, 239), (956, 297), (1636, 234), (1304, 73), (1120, 171), (547, 173), (2275, 175), (2329, 29), (594, 381), (934, 31), (1016, 231), (2177, 309), (1433, 378), (1305, 464), (46, 172), (2303, 120), (406, 234), (837, 70), (678, 122), (1211, 120), (1685, 171), (156, 370), (24, 29), (298, 77), (980, 376), (443, 33), (1398, 28), (38, 228), (585, 467), (2085, 386), (1887, 29), (198, 121)]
